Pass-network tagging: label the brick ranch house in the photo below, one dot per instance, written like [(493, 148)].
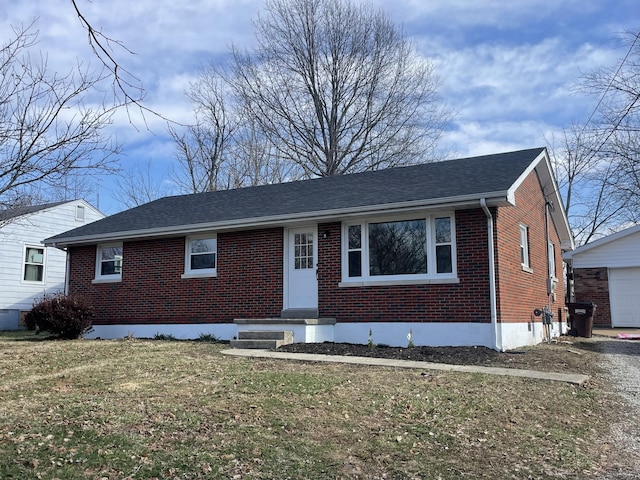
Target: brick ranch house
[(606, 272), (460, 253)]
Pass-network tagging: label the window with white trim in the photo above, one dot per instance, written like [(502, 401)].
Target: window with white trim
[(109, 262), (201, 255), (444, 245), (413, 248), (354, 250), (80, 213), (524, 246), (33, 270), (552, 260)]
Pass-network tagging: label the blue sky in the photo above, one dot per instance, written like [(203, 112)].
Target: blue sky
[(508, 69)]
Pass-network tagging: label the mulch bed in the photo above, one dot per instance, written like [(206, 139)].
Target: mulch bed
[(451, 355), (565, 354)]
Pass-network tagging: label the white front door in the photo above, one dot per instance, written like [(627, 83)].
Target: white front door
[(302, 261)]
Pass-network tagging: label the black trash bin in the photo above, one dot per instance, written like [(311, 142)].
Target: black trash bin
[(581, 315)]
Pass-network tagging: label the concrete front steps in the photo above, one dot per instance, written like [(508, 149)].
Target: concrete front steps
[(290, 327), (262, 339)]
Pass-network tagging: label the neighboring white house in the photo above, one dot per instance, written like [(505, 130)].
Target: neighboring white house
[(607, 272), (28, 269)]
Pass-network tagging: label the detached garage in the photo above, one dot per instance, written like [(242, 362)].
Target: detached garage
[(607, 273)]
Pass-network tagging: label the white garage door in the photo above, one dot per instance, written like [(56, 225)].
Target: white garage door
[(624, 293)]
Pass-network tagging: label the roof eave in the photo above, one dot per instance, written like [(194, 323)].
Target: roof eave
[(603, 241), (542, 165)]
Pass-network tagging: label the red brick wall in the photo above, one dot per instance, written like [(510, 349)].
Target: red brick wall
[(521, 292), (592, 285), (467, 301), (249, 281)]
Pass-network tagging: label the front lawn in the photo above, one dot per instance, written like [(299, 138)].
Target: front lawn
[(168, 409)]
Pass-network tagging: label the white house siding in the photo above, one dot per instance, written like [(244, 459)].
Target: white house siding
[(15, 294), (623, 252), (619, 253)]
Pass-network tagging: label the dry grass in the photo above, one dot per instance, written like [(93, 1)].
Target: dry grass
[(162, 409)]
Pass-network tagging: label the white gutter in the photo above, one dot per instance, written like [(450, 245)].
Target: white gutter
[(497, 333), (66, 273)]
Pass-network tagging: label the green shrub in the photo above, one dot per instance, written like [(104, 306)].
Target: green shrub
[(164, 336), (67, 316), (208, 337)]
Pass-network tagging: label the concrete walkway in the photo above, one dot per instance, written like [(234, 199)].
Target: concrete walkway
[(614, 332), (575, 379)]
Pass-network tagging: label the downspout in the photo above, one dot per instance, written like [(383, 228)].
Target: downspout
[(497, 334), (66, 272), (548, 206)]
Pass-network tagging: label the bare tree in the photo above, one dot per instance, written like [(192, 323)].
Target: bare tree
[(587, 183), (203, 150), (52, 125), (337, 88), (598, 163), (126, 87), (619, 121), (139, 185), (224, 148), (256, 160)]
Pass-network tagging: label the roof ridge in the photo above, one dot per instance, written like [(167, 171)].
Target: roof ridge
[(350, 175)]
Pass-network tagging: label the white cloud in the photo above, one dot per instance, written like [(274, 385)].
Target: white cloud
[(471, 138), (504, 81), (514, 95)]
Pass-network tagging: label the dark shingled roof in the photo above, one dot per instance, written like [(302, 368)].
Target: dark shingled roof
[(467, 177), (15, 212)]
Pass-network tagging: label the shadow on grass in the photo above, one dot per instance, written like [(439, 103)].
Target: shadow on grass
[(26, 336), (32, 336)]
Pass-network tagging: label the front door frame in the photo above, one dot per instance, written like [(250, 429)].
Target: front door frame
[(287, 304)]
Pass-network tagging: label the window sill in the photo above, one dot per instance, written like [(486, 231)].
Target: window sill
[(380, 283), (527, 269), (107, 280), (199, 275)]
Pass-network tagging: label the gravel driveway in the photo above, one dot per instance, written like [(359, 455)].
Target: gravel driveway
[(623, 365)]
